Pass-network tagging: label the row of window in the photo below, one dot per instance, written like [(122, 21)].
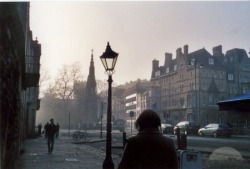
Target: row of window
[(204, 73), (191, 101), (233, 89), (210, 62), (190, 87)]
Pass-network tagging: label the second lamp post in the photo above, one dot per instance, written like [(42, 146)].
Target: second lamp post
[(196, 64)]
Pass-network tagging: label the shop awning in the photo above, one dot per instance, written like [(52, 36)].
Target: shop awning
[(239, 103)]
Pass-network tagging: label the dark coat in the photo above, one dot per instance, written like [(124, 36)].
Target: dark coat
[(149, 149), (51, 129)]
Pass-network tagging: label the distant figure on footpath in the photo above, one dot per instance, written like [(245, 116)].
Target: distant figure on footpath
[(46, 130), (57, 129), (51, 130), (40, 130), (149, 149)]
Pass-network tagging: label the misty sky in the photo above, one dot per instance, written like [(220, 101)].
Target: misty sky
[(138, 31)]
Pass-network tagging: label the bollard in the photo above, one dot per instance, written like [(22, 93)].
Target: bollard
[(178, 138), (124, 139), (183, 139)]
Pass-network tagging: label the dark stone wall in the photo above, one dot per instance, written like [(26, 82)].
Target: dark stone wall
[(12, 54)]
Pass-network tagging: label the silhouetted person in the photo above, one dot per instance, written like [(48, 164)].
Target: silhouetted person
[(149, 149), (40, 129), (57, 129), (46, 130), (51, 130)]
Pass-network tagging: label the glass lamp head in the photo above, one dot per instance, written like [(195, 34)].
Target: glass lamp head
[(109, 58)]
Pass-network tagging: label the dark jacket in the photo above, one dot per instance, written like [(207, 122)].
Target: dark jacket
[(149, 149), (51, 129)]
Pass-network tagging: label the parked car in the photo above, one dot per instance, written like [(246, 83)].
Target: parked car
[(216, 130), (189, 127), (167, 128)]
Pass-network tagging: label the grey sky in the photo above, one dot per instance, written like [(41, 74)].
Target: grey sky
[(138, 31)]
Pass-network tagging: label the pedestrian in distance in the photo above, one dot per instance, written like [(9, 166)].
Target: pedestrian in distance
[(149, 149), (51, 131), (57, 129), (46, 130), (40, 130)]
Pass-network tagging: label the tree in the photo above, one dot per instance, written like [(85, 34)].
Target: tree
[(64, 83), (102, 90), (79, 102), (59, 95), (44, 78)]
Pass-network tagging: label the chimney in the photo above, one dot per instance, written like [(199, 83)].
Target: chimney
[(186, 50), (178, 52), (217, 51), (168, 58), (155, 66)]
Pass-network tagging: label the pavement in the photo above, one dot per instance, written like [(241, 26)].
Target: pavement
[(67, 155)]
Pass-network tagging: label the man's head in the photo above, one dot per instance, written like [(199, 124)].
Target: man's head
[(52, 120), (148, 119)]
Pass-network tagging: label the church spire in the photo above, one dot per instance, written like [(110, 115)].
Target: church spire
[(90, 113), (91, 77)]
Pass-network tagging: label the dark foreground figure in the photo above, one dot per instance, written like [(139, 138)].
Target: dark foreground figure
[(149, 149)]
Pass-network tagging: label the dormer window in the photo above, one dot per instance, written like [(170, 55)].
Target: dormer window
[(157, 73), (167, 70), (211, 61)]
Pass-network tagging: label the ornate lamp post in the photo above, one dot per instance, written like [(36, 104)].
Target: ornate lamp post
[(109, 59)]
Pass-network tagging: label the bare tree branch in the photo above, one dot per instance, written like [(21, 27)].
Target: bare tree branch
[(64, 82), (44, 76)]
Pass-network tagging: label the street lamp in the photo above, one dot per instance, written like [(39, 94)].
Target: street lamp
[(196, 64), (109, 59)]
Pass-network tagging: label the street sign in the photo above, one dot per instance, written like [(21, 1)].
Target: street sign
[(190, 159), (131, 113)]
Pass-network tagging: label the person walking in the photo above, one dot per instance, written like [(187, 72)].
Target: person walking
[(46, 130), (51, 130), (149, 149), (57, 129), (40, 130)]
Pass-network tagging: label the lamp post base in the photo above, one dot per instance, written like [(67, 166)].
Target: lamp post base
[(108, 164)]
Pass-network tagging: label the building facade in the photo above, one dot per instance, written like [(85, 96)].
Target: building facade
[(19, 77), (189, 86), (135, 98), (118, 103)]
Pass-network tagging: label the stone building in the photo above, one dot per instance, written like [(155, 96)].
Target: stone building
[(238, 83), (133, 98), (32, 84), (19, 76), (118, 103), (189, 86), (129, 97)]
